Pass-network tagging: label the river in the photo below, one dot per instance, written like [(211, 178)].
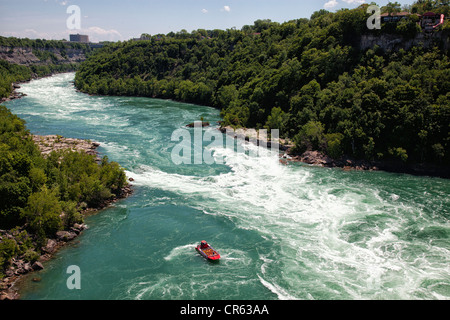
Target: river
[(284, 231)]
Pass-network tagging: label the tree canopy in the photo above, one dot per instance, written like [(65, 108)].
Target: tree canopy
[(46, 195), (298, 75), (48, 63)]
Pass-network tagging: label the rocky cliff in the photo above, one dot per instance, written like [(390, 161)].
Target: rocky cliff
[(30, 56), (395, 42)]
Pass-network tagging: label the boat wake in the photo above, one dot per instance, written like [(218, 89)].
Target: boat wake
[(284, 231), (327, 227), (184, 250)]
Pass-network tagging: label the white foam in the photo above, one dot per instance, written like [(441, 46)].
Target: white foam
[(333, 229), (187, 249), (281, 293), (300, 210)]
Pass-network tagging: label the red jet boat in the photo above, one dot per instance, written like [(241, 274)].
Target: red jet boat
[(207, 251)]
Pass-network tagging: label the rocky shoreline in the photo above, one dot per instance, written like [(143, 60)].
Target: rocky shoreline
[(16, 85), (50, 143), (347, 163), (19, 266), (317, 158), (14, 94)]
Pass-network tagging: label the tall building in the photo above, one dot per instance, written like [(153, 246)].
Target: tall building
[(79, 38)]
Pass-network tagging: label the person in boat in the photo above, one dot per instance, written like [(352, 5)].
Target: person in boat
[(203, 244)]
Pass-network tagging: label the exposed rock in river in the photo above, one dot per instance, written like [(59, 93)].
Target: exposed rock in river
[(203, 124), (50, 143), (317, 158)]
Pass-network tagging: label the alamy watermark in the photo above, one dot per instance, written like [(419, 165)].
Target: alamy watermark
[(73, 22), (374, 21), (190, 150), (199, 147), (74, 280)]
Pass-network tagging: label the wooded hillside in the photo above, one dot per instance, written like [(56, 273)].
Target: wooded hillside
[(307, 77)]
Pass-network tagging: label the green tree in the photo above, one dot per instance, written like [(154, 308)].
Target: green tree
[(334, 145), (311, 70), (42, 212), (310, 137), (276, 120), (8, 249)]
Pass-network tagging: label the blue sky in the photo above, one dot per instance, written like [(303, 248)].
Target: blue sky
[(122, 20)]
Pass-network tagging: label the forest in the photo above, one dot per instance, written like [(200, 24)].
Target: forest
[(11, 73), (43, 195), (306, 77), (41, 43)]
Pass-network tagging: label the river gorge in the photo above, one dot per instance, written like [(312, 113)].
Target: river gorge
[(284, 230)]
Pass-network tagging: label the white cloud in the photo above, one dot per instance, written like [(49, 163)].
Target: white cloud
[(95, 34), (355, 1), (204, 11), (32, 34), (334, 3), (331, 4), (99, 34), (227, 8)]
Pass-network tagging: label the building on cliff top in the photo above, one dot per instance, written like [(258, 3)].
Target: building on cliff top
[(394, 17), (428, 21), (79, 38)]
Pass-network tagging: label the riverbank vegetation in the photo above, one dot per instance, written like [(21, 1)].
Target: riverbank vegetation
[(45, 63), (12, 73), (43, 195), (307, 77)]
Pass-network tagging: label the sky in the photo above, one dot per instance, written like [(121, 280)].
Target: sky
[(111, 20)]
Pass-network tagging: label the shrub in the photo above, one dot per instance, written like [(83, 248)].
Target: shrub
[(310, 137), (334, 144), (8, 248), (42, 212), (399, 153)]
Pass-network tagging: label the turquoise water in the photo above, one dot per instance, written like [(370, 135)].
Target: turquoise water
[(283, 231)]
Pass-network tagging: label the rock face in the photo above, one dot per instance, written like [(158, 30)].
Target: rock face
[(395, 42), (26, 56)]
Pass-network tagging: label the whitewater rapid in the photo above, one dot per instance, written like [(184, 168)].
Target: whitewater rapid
[(284, 231), (339, 231)]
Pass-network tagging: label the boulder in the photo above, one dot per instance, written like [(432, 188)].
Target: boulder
[(77, 231), (37, 266), (8, 296), (27, 267), (204, 124), (316, 158), (65, 235), (50, 247), (80, 227)]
